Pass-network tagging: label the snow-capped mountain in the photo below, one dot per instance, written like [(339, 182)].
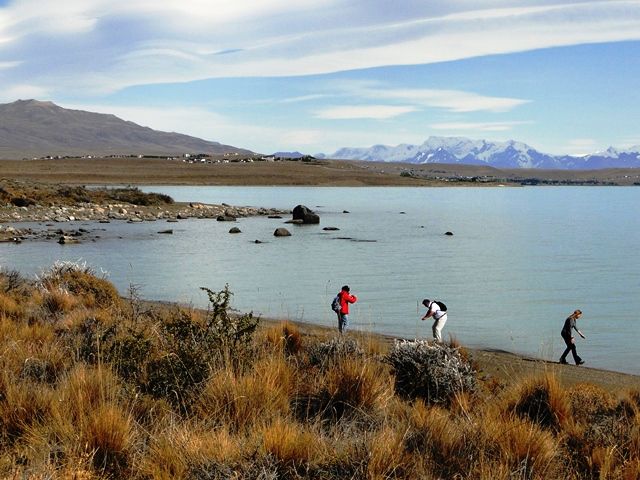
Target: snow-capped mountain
[(510, 154)]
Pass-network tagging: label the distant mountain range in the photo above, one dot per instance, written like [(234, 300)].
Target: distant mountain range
[(511, 154), (30, 128)]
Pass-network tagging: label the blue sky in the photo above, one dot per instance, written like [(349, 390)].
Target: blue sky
[(316, 75)]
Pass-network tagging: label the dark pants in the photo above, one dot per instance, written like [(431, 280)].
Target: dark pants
[(571, 347)]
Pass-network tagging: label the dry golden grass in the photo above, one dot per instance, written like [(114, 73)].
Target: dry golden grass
[(541, 400), (358, 385), (292, 445), (247, 401), (76, 402)]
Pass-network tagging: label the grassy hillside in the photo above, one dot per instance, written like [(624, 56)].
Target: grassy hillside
[(93, 385)]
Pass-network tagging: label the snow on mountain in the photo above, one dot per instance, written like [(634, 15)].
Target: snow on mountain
[(509, 154)]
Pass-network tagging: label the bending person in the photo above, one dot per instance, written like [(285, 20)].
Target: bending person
[(438, 311)]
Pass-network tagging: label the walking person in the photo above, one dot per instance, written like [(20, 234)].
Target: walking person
[(438, 311), (569, 325), (342, 301)]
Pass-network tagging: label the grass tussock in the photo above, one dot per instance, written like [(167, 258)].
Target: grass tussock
[(96, 387)]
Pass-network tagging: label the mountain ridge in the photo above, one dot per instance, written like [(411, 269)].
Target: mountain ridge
[(507, 154), (38, 128)]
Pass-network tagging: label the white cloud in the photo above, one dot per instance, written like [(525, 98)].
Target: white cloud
[(100, 44), (452, 100), (375, 112), (24, 92), (194, 121), (580, 146), (4, 65), (476, 126)]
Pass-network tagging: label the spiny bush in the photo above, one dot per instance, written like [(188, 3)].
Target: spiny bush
[(11, 281), (434, 372), (327, 354), (234, 332)]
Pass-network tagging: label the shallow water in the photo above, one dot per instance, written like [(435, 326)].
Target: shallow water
[(520, 260)]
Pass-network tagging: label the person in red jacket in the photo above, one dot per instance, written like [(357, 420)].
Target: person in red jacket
[(343, 315)]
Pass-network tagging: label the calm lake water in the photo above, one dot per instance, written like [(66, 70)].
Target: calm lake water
[(520, 261)]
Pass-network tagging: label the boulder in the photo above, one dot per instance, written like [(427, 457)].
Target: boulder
[(330, 229), (450, 234), (300, 212), (281, 232), (296, 221), (235, 230), (226, 218), (257, 241), (166, 232), (66, 240)]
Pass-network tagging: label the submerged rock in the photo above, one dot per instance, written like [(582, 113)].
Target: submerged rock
[(281, 232), (67, 240)]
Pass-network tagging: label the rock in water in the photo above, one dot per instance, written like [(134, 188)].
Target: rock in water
[(66, 240), (450, 234), (300, 212), (281, 232), (235, 230)]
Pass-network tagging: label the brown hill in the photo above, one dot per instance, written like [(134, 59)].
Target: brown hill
[(30, 128)]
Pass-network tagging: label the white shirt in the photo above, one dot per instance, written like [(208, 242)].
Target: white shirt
[(435, 309)]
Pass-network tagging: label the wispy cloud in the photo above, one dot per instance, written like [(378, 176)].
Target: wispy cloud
[(451, 100), (349, 112), (476, 126), (109, 45), (23, 92), (580, 146)]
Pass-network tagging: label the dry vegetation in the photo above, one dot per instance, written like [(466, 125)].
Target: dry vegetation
[(25, 194), (96, 386)]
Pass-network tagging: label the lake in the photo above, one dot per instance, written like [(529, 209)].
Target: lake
[(519, 262)]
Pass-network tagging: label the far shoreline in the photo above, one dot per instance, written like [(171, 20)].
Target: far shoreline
[(329, 173)]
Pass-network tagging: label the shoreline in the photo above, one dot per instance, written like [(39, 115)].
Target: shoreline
[(505, 365), (502, 365)]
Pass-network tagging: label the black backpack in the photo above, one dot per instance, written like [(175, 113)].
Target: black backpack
[(441, 305), (335, 304)]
